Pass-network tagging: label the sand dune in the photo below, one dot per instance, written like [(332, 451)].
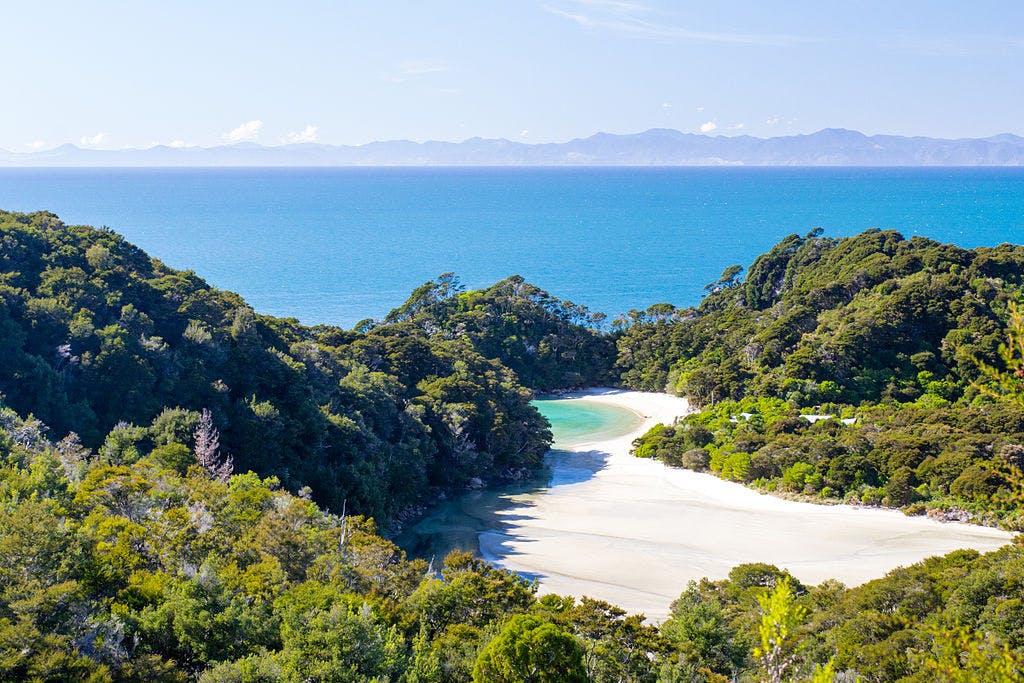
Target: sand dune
[(635, 531)]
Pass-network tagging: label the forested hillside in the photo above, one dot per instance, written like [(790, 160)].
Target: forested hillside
[(549, 343), (874, 317), (845, 370), (100, 340)]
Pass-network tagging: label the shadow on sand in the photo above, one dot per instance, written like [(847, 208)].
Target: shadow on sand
[(484, 522)]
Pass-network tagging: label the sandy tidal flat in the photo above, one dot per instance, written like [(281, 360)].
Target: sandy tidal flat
[(634, 531)]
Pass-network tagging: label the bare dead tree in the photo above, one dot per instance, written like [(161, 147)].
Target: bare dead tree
[(207, 449), (225, 469)]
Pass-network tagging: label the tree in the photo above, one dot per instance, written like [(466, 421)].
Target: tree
[(207, 448), (1004, 384), (727, 280), (780, 617), (702, 634), (1008, 388), (529, 649), (900, 487), (959, 656)]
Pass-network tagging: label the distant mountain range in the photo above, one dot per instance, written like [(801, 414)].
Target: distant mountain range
[(655, 147)]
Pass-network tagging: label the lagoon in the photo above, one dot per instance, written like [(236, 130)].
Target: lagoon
[(574, 422)]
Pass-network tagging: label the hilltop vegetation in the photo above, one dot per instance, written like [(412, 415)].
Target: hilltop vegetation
[(549, 343), (868, 318), (95, 334), (883, 332)]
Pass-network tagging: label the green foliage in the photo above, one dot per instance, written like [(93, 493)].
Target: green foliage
[(471, 593), (824, 674), (118, 568), (98, 338), (1006, 383), (173, 456), (960, 656), (736, 466), (547, 342), (335, 639), (702, 634), (530, 650), (616, 646), (954, 460), (874, 317), (795, 477), (780, 617)]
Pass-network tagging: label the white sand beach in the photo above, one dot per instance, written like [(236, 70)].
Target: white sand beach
[(636, 531)]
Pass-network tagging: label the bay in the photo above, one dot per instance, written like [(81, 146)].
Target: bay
[(633, 531), (338, 245)]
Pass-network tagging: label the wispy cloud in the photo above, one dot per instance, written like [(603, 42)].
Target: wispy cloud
[(640, 20), (414, 68), (619, 5), (36, 145), (307, 134), (708, 127), (94, 140), (417, 67), (246, 131)]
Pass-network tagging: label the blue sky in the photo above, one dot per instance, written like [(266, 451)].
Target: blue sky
[(132, 74)]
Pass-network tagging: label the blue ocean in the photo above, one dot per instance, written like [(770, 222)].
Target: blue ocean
[(339, 245)]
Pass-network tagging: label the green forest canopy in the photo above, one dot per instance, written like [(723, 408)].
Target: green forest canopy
[(163, 570), (97, 336), (882, 334), (131, 549)]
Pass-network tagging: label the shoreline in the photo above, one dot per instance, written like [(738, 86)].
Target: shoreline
[(634, 531)]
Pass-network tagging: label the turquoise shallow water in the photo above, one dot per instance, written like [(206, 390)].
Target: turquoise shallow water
[(575, 422), (456, 523), (338, 245)]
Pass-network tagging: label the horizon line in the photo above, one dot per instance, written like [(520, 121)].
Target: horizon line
[(306, 145)]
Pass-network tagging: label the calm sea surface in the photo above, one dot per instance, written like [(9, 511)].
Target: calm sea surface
[(339, 245)]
